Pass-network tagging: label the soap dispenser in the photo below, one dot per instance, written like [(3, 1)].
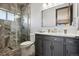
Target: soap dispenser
[(48, 30), (65, 29)]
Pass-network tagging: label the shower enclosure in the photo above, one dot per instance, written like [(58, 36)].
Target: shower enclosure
[(14, 28)]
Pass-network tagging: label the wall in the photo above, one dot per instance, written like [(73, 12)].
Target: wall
[(36, 16), (36, 19), (75, 15)]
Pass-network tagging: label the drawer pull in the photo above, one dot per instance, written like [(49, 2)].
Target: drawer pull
[(52, 47)]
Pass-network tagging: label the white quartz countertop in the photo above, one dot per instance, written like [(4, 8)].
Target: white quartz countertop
[(58, 34)]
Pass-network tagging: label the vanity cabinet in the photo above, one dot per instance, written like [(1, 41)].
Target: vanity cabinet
[(48, 45), (38, 45), (58, 46), (72, 47), (52, 46), (42, 46)]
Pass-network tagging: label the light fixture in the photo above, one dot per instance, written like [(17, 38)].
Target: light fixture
[(44, 5), (47, 5), (50, 4)]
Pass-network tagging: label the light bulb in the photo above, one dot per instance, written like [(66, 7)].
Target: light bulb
[(44, 5)]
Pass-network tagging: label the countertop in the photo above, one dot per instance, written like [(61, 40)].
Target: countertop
[(58, 34)]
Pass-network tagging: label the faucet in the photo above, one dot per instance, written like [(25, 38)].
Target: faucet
[(65, 31), (48, 30)]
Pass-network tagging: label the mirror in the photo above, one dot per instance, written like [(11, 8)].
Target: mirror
[(64, 15), (48, 17)]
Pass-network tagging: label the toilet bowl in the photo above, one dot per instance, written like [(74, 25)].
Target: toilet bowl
[(27, 48)]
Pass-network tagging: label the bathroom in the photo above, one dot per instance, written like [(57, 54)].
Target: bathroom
[(39, 29)]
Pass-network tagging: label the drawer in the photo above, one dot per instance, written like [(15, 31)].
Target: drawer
[(72, 41), (40, 36), (59, 39)]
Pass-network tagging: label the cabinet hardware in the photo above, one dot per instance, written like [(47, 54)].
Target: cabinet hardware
[(52, 47)]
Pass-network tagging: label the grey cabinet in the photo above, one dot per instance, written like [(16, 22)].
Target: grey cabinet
[(72, 47), (49, 45), (46, 45), (53, 46), (38, 46), (58, 46)]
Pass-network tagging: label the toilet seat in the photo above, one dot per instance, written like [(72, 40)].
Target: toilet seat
[(27, 43)]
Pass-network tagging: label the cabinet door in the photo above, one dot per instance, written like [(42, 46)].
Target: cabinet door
[(58, 47), (46, 47), (72, 47), (38, 47)]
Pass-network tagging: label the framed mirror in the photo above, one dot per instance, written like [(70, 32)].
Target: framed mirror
[(64, 15), (48, 17)]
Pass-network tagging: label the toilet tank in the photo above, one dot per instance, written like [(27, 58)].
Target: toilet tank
[(32, 37)]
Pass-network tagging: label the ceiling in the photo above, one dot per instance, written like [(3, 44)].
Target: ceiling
[(15, 7)]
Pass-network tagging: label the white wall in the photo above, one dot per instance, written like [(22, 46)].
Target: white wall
[(75, 15), (36, 16)]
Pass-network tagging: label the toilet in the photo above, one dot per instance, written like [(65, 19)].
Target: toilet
[(27, 48)]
